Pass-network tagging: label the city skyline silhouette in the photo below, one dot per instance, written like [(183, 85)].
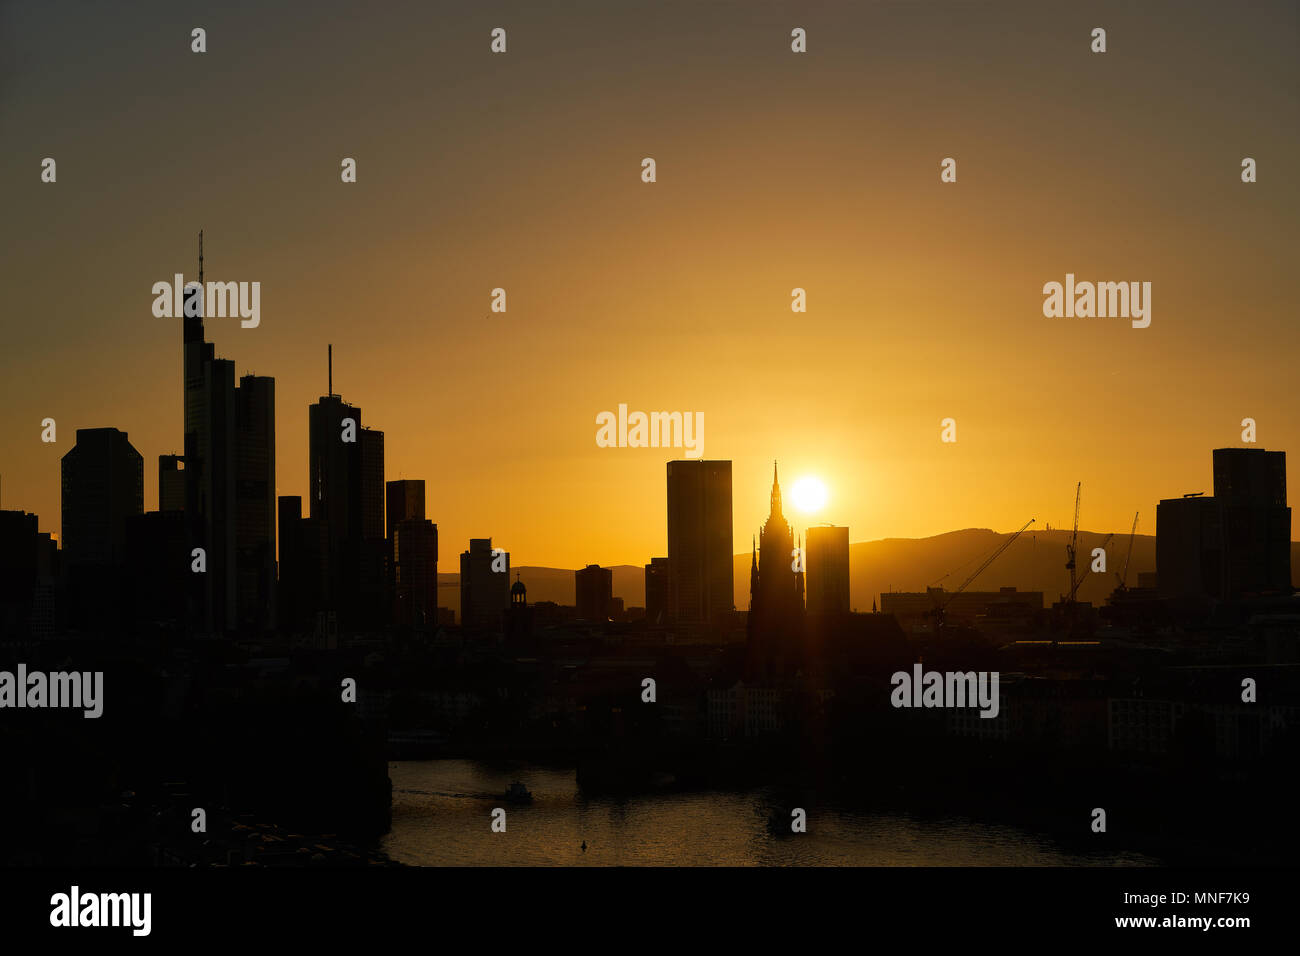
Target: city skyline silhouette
[(651, 434), (924, 297)]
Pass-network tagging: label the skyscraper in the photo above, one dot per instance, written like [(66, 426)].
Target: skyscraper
[(656, 590), (415, 572), (827, 561), (171, 483), (103, 484), (20, 572), (403, 500), (594, 589), (229, 478), (1250, 488), (699, 541), (484, 585), (346, 491), (1235, 544), (255, 512), (304, 567)]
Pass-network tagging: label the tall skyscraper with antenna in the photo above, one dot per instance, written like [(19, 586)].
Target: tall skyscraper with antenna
[(229, 455), (346, 490)]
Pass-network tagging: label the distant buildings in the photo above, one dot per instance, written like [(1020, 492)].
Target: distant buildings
[(700, 570), (656, 591), (1232, 545), (594, 587), (1008, 606), (827, 562), (484, 585)]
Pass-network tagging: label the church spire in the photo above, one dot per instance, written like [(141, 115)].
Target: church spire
[(776, 491)]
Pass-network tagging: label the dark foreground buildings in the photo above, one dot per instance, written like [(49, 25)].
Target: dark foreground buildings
[(1233, 545)]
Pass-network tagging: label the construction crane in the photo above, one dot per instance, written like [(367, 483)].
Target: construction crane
[(1079, 583), (1123, 577), (939, 609), (1071, 549)]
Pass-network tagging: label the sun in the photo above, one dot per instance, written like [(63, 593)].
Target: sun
[(809, 494)]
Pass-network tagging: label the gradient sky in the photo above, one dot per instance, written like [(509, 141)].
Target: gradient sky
[(775, 170)]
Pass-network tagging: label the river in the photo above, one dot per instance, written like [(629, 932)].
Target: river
[(442, 817)]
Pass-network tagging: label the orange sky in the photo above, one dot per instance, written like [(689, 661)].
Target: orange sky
[(775, 170)]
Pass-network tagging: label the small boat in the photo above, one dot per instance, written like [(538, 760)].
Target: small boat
[(518, 793), (779, 822)]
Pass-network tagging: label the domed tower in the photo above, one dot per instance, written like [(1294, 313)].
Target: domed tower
[(519, 616)]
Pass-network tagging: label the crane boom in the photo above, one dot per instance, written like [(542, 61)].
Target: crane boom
[(1078, 584), (987, 561), (1123, 578), (1072, 548)]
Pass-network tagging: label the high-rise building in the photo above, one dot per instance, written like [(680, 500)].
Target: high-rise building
[(1235, 544), (1189, 547), (229, 478), (827, 563), (699, 541), (372, 484), (334, 475), (255, 510), (656, 591), (594, 587), (20, 572), (346, 491), (171, 483), (304, 567), (103, 484), (1250, 487), (415, 572), (404, 499), (484, 585), (376, 600)]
